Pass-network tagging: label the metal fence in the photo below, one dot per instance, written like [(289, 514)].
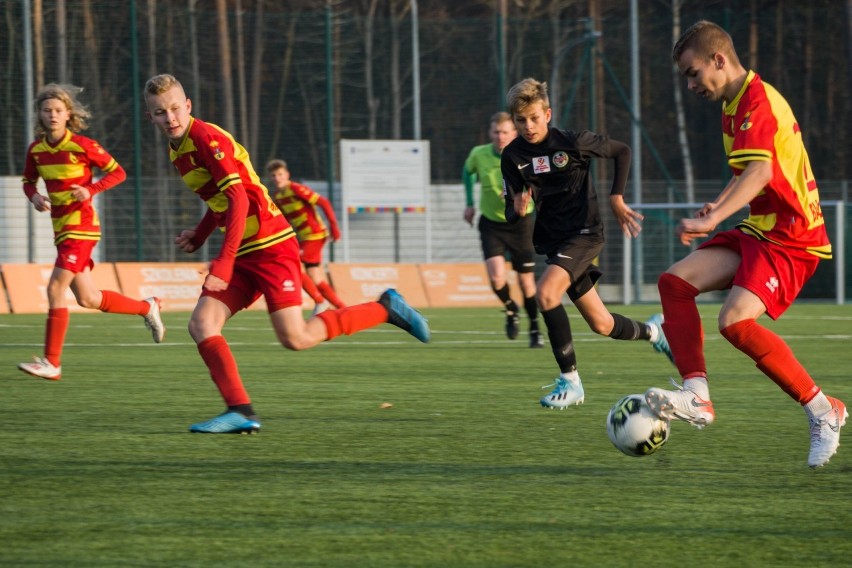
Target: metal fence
[(631, 268)]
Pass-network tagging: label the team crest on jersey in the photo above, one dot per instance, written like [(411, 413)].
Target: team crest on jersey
[(217, 151), (747, 122), (541, 164), (560, 159)]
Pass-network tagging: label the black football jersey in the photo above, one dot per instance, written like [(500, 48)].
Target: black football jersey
[(557, 171)]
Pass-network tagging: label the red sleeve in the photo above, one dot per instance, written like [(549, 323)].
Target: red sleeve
[(325, 204), (112, 179), (102, 160), (204, 228), (30, 175), (235, 225)]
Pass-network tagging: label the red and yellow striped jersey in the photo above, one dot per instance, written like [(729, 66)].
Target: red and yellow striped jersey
[(61, 165), (759, 125), (219, 171), (298, 203)]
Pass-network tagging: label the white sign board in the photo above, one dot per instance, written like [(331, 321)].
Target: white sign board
[(384, 176)]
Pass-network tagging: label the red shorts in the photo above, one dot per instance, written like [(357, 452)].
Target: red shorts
[(772, 272), (274, 272), (312, 251), (75, 255)]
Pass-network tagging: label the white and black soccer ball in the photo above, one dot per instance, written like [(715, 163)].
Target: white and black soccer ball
[(634, 429)]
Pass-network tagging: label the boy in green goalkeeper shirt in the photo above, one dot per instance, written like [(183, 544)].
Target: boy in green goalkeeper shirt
[(497, 236)]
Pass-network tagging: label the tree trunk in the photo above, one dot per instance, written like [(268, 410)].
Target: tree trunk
[(93, 77), (681, 118), (38, 43), (61, 42), (225, 77), (283, 88), (10, 71), (372, 100), (241, 135), (256, 78), (193, 55)]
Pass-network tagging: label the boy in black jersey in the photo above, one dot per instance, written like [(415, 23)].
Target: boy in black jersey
[(551, 167)]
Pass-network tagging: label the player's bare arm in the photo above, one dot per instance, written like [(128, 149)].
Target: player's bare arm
[(736, 196), (627, 218)]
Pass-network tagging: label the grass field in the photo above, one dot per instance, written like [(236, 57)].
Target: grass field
[(465, 469)]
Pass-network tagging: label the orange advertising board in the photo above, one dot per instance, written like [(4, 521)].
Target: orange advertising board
[(458, 285), (4, 303), (177, 284), (26, 286), (358, 283)]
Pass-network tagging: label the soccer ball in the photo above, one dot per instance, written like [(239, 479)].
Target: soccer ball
[(634, 429)]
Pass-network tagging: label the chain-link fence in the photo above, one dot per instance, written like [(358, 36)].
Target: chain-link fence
[(290, 84)]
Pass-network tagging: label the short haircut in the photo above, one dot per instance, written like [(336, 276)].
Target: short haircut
[(159, 84), (500, 117), (276, 165), (67, 94), (705, 38), (529, 91)]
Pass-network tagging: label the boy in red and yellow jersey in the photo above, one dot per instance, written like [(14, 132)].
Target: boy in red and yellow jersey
[(64, 160), (299, 204), (765, 260), (259, 256)]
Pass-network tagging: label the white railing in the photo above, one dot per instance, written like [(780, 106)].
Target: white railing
[(636, 250)]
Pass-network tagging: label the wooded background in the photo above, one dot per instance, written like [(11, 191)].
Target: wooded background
[(258, 68)]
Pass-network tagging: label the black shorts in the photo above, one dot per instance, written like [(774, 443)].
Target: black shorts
[(576, 256), (500, 238)]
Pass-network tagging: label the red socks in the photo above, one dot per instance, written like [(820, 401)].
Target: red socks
[(311, 289), (353, 319), (774, 357), (54, 334), (683, 325), (115, 303), (328, 292), (217, 355)]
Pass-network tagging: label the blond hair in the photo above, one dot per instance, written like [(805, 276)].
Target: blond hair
[(529, 91), (67, 94), (705, 38), (159, 84)]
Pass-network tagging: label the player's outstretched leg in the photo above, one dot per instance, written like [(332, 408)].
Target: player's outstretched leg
[(825, 433), (153, 321), (41, 367), (404, 316), (682, 404), (567, 391), (658, 337), (228, 423)]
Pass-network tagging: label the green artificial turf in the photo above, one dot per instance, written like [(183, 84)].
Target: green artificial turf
[(464, 469)]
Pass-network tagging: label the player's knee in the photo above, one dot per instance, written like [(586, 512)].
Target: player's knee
[(295, 343), (89, 301), (547, 299), (601, 326), (201, 328)]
